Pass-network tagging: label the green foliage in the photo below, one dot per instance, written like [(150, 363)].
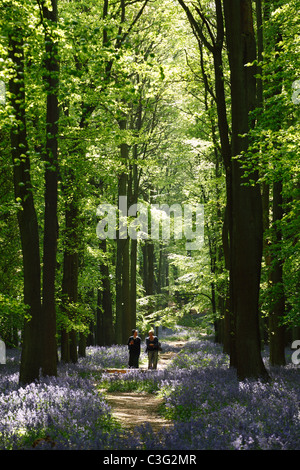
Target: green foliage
[(139, 386), (12, 315), (143, 65), (75, 317), (275, 148)]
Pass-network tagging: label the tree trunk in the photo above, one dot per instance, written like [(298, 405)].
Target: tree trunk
[(105, 334), (226, 157), (216, 49), (106, 319), (133, 199), (99, 320), (73, 346), (246, 207), (65, 348), (82, 345), (70, 274), (126, 317), (133, 261), (27, 218), (151, 279), (145, 267), (118, 270), (277, 331), (123, 324), (49, 356)]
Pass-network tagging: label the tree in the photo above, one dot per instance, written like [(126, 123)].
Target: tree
[(243, 199), (277, 330), (27, 218), (212, 38), (70, 270), (247, 230), (49, 18), (39, 345), (275, 117)]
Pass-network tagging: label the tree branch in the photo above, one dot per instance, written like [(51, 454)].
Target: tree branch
[(134, 21), (195, 26)]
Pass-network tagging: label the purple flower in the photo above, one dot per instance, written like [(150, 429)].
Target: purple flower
[(208, 407)]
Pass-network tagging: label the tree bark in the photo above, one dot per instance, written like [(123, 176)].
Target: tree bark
[(118, 270), (247, 231), (216, 48), (70, 276), (133, 199), (27, 218), (106, 322), (276, 330), (123, 323), (99, 320), (49, 356)]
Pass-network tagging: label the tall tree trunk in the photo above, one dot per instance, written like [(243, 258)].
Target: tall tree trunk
[(27, 218), (265, 189), (105, 334), (106, 322), (277, 331), (126, 317), (99, 319), (246, 240), (273, 260), (123, 324), (49, 356), (119, 313), (82, 345), (132, 301), (70, 274), (150, 254), (145, 267), (216, 48), (133, 199)]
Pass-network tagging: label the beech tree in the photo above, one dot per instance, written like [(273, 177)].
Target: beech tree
[(39, 341), (244, 204), (276, 113), (27, 218), (247, 229), (49, 356)]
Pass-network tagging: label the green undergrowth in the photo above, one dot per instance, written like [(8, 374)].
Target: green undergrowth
[(121, 385)]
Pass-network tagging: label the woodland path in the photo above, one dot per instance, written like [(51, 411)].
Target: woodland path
[(133, 409)]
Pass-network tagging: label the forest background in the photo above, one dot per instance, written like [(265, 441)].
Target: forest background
[(167, 102)]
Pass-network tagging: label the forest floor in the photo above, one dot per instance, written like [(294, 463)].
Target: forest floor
[(133, 409)]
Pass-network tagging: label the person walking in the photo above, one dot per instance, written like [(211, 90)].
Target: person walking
[(134, 347), (152, 350)]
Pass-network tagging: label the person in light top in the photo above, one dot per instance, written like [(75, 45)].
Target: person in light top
[(152, 350)]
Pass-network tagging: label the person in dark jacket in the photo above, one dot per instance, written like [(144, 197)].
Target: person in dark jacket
[(152, 350), (134, 347)]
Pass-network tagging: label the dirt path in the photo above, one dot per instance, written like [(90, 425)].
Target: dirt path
[(133, 409)]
